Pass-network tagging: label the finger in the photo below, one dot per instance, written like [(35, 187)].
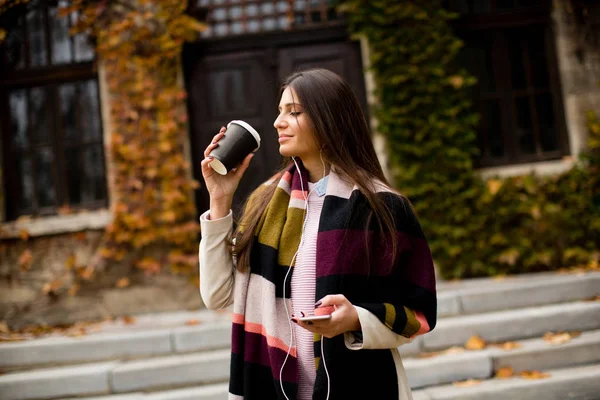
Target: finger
[(217, 137), (210, 148), (244, 165), (331, 300), (206, 169)]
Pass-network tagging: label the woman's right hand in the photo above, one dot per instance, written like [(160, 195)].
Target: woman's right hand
[(222, 187)]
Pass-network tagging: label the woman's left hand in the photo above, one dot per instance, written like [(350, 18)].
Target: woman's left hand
[(343, 319)]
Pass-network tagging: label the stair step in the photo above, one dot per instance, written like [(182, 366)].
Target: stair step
[(513, 324), (57, 382), (209, 367), (576, 383), (115, 345), (488, 294), (534, 354), (182, 370), (208, 392)]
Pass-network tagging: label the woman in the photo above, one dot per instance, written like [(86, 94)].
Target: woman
[(327, 230)]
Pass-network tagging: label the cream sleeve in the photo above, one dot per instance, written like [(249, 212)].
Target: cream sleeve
[(217, 268), (375, 335)]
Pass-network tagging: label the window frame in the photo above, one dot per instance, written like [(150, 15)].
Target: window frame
[(50, 77), (539, 18)]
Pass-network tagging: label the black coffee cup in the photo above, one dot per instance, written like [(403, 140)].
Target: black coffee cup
[(240, 139)]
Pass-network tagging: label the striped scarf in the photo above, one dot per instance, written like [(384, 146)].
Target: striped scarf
[(400, 292)]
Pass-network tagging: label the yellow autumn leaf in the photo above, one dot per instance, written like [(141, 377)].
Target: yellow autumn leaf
[(467, 383), (122, 283), (52, 286), (2, 35), (193, 23), (559, 337), (456, 81), (25, 260), (504, 372), (24, 234), (128, 320), (70, 262), (494, 185), (510, 345), (192, 322), (534, 375), (475, 343)]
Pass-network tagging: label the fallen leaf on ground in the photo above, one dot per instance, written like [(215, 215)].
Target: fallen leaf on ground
[(128, 320), (504, 372), (467, 383), (560, 337), (4, 327), (509, 345), (12, 338), (25, 260), (475, 343), (52, 286), (534, 375), (122, 283), (24, 234), (451, 350), (191, 322)]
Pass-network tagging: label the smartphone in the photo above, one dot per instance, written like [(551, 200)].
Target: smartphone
[(314, 318)]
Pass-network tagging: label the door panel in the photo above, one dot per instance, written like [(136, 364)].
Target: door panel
[(226, 88)]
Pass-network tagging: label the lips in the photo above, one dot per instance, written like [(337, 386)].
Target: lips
[(283, 138)]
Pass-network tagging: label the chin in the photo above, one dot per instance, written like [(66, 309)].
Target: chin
[(286, 152)]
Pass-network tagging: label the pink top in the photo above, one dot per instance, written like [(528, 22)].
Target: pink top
[(303, 294)]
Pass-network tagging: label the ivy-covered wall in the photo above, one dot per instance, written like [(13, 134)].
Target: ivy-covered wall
[(476, 227)]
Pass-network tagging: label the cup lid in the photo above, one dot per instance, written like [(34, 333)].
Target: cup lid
[(249, 128)]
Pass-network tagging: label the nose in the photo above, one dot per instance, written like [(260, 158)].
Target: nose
[(279, 122)]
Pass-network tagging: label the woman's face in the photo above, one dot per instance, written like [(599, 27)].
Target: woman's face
[(296, 132)]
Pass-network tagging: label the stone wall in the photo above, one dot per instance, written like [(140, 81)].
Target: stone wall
[(580, 77), (28, 298)]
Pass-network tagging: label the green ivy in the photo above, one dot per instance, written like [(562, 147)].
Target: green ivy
[(475, 227)]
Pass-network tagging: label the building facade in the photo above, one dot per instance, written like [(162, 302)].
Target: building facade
[(532, 94)]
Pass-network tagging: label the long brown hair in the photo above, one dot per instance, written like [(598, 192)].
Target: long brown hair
[(342, 132)]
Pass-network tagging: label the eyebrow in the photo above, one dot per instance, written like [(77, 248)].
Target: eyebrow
[(289, 104)]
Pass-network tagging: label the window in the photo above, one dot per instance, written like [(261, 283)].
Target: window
[(234, 17), (49, 106), (509, 48)]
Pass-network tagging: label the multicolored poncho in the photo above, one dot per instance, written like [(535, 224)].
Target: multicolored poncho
[(350, 261)]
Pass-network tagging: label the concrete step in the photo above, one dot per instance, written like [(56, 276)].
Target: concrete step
[(534, 354), (576, 383), (208, 367), (167, 333), (57, 382), (208, 392), (114, 377), (512, 324), (115, 344), (489, 294)]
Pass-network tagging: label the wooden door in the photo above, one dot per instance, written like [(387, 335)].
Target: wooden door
[(230, 87)]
